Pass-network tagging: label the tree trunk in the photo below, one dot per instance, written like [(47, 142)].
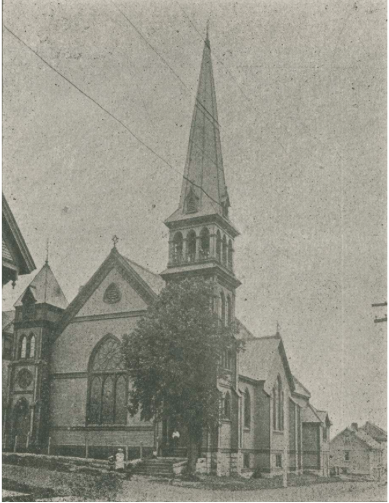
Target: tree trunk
[(192, 453)]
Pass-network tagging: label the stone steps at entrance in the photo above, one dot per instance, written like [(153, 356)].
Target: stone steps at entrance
[(160, 467)]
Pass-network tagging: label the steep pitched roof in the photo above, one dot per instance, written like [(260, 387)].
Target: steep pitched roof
[(154, 280), (375, 432), (7, 321), (204, 179), (148, 284), (45, 289), (11, 232), (300, 389), (242, 331), (309, 415), (257, 359)]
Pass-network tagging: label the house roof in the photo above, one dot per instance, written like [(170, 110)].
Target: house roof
[(361, 435), (256, 360), (12, 232), (375, 431), (45, 289), (7, 321)]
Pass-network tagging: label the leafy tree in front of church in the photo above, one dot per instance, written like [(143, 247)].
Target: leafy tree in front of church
[(174, 361)]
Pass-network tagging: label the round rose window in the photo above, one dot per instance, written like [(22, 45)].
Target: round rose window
[(24, 378)]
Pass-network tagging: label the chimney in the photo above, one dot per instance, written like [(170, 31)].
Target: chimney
[(354, 426)]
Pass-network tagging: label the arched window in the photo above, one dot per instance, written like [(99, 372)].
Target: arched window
[(177, 248), (107, 402), (227, 406), (280, 394), (225, 209), (224, 251), (230, 254), (191, 246), (218, 246), (229, 311), (31, 347), (229, 359), (191, 202), (204, 240), (247, 409), (223, 309), (23, 347), (274, 408)]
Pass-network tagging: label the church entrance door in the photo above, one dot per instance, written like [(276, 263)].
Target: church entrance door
[(21, 421), (174, 440)]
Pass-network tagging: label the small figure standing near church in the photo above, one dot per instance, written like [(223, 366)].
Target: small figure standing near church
[(176, 439)]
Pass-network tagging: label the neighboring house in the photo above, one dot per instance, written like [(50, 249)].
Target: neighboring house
[(353, 451), (379, 436), (69, 381), (17, 259)]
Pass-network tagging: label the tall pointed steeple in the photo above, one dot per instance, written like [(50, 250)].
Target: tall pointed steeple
[(204, 190), (201, 235)]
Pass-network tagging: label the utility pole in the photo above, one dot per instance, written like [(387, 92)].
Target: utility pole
[(385, 318)]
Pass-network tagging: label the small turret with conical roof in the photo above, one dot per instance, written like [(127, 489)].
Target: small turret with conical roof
[(38, 309)]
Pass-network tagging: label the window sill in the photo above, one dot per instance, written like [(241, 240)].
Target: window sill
[(225, 420), (278, 432), (246, 428)]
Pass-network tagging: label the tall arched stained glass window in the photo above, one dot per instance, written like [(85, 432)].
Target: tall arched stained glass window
[(23, 347), (108, 384), (31, 344), (223, 309)]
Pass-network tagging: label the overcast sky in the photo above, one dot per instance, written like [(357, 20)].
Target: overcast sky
[(302, 106)]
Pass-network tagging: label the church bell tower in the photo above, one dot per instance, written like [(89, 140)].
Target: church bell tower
[(201, 234)]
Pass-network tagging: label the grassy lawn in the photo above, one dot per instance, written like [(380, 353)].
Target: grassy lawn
[(50, 484)]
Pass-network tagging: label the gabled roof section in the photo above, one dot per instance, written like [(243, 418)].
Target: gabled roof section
[(8, 318), (203, 185), (257, 358), (44, 289), (300, 389), (361, 435), (375, 432), (242, 331), (11, 233), (310, 415), (324, 417), (149, 284), (155, 281)]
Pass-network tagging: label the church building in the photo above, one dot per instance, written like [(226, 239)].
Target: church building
[(68, 379)]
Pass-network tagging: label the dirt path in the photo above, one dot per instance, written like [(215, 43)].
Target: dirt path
[(143, 489)]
